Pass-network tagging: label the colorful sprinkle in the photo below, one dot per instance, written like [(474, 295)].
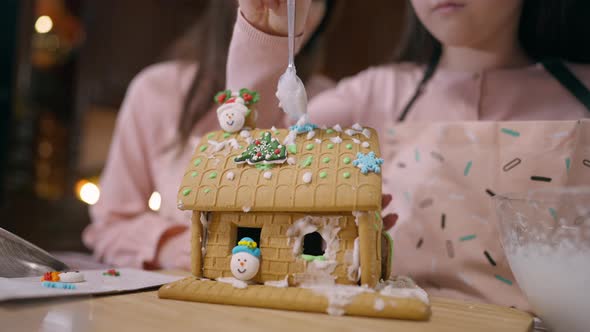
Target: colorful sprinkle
[(568, 163), (490, 192), (426, 203), (450, 249), (111, 273), (510, 132), (330, 146), (323, 175), (504, 280), (443, 221), (467, 237), (207, 190), (61, 285), (346, 160), (194, 174), (226, 135), (417, 155), (489, 257), (210, 136), (346, 175), (292, 148), (197, 162), (329, 131), (437, 156), (203, 148), (326, 160), (540, 178), (309, 147), (349, 146), (419, 244), (553, 213), (307, 162), (212, 175), (185, 192), (511, 164), (467, 168)]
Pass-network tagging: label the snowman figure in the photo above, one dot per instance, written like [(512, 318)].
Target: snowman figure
[(234, 109), (245, 260)]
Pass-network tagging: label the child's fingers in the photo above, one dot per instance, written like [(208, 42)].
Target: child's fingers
[(385, 200), (389, 221)]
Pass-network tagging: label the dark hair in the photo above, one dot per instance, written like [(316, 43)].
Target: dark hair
[(208, 42), (547, 29)]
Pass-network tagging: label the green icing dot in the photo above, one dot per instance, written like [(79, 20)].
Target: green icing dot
[(194, 174), (349, 146), (292, 148), (330, 146), (277, 132), (329, 131), (203, 148), (197, 162), (212, 175), (326, 160), (346, 160), (309, 146), (186, 192), (323, 175), (346, 175), (307, 162), (210, 135), (207, 190), (226, 135)]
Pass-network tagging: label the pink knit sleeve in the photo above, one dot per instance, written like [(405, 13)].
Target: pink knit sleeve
[(123, 231), (256, 60)]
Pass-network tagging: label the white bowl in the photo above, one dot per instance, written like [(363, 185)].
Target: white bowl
[(546, 237)]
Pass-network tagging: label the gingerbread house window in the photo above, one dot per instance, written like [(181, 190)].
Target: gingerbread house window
[(314, 244), (251, 232)]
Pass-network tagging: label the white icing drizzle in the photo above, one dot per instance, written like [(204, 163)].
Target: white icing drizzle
[(318, 141), (233, 143), (267, 175), (246, 209), (356, 140), (236, 283), (311, 134), (367, 133), (307, 177), (354, 269), (290, 139), (283, 283), (379, 304), (245, 133), (339, 296), (337, 128), (273, 128), (230, 176), (291, 161), (357, 127), (336, 140), (402, 287), (216, 146), (365, 144), (205, 235)]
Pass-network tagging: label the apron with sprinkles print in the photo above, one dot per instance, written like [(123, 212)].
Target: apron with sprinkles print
[(442, 177)]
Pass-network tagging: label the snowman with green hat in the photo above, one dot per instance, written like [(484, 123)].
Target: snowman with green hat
[(245, 260)]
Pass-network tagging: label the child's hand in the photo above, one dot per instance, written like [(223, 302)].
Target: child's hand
[(390, 219), (270, 16)]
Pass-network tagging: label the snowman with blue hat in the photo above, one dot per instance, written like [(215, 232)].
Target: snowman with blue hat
[(245, 260)]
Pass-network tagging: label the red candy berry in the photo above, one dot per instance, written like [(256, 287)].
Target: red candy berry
[(258, 154), (221, 98), (278, 151), (247, 97), (257, 142)]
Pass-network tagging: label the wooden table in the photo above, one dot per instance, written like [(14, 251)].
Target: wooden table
[(144, 311)]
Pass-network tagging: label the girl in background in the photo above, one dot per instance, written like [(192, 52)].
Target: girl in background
[(462, 60), (168, 107)]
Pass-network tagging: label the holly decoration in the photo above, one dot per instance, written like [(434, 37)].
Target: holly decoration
[(222, 96), (250, 97), (265, 150)]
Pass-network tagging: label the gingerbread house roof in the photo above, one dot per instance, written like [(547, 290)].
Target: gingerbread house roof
[(213, 181)]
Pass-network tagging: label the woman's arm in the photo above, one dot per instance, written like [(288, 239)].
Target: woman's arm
[(124, 232)]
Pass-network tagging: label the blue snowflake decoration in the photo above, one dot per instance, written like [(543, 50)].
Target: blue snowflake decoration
[(304, 128), (368, 162)]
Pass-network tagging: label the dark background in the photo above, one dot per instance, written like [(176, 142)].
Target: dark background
[(60, 93)]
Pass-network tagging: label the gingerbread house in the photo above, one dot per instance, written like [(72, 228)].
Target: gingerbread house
[(315, 216)]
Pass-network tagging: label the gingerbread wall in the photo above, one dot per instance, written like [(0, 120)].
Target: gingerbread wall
[(277, 258)]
